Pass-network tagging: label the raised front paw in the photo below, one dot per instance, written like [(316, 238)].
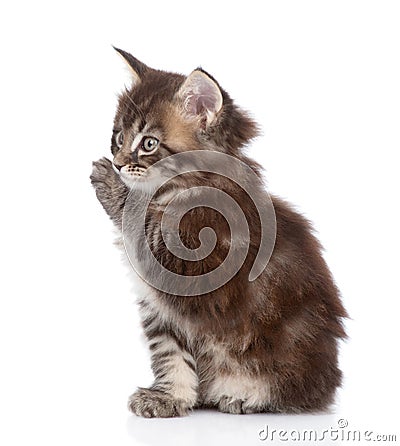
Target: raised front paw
[(110, 190), (154, 403), (103, 176)]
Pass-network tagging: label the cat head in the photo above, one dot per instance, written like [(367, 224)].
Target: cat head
[(165, 113)]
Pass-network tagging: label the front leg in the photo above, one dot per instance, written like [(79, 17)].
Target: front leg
[(174, 391), (110, 190)]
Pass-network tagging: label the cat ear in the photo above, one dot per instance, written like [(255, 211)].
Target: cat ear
[(201, 96), (136, 68)]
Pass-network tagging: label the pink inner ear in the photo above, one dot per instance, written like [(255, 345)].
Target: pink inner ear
[(197, 104), (201, 95), (191, 102)]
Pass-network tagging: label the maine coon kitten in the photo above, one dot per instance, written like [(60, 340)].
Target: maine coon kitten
[(268, 345)]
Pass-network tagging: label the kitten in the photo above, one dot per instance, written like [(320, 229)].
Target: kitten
[(242, 346)]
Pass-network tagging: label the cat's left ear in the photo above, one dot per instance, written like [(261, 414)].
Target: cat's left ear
[(137, 69), (201, 96)]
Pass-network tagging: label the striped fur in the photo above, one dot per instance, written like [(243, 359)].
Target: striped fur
[(267, 345)]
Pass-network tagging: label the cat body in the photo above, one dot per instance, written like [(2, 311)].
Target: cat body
[(263, 345)]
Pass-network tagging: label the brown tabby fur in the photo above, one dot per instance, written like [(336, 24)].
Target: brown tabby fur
[(280, 332)]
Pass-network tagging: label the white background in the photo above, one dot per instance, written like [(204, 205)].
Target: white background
[(323, 80)]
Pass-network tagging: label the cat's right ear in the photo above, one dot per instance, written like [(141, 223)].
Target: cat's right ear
[(201, 96), (136, 68)]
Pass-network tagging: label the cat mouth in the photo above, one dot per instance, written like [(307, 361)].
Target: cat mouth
[(131, 171)]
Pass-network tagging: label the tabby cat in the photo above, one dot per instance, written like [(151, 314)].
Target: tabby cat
[(263, 345)]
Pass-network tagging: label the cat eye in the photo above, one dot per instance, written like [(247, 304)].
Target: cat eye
[(119, 139), (149, 144)]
